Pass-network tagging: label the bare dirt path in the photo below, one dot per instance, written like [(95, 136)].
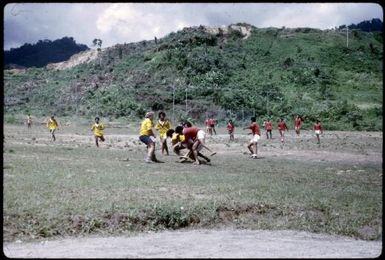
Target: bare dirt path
[(228, 243)]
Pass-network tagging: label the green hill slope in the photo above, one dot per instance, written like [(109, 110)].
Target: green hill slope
[(230, 72)]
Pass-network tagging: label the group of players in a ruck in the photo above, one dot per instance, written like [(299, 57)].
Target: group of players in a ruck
[(192, 139), (188, 137)]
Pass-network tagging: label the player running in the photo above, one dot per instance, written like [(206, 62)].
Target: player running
[(98, 128), (255, 131), (52, 125)]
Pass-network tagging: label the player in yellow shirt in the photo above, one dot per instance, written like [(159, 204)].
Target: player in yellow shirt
[(147, 136), (176, 141), (98, 128), (162, 126), (52, 125)]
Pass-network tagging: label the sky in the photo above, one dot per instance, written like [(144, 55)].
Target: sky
[(118, 23)]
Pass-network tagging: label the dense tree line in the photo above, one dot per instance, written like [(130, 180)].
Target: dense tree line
[(43, 52), (375, 25)]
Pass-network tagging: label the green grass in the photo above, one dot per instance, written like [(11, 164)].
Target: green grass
[(69, 188)]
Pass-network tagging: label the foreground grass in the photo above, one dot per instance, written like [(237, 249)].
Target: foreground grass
[(58, 189)]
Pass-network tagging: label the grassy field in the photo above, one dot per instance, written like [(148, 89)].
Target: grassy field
[(70, 187)]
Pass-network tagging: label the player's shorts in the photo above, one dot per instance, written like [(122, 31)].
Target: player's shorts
[(317, 132), (255, 139), (146, 139), (163, 137), (201, 135), (297, 128)]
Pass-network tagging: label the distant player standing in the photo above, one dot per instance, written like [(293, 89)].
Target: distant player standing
[(297, 124), (230, 128), (29, 121), (268, 128), (282, 127), (208, 126), (255, 131), (98, 128), (318, 130), (52, 125), (212, 123)]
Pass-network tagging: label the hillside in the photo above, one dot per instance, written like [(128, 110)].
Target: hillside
[(42, 53), (229, 72)]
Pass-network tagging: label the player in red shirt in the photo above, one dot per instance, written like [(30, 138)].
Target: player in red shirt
[(297, 124), (318, 130), (212, 123), (208, 126), (255, 131), (268, 128), (194, 139), (282, 127), (230, 128)]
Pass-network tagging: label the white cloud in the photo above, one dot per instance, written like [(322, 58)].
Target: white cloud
[(131, 22), (180, 25), (320, 15), (122, 21), (135, 22)]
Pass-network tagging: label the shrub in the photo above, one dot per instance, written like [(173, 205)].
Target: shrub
[(10, 119)]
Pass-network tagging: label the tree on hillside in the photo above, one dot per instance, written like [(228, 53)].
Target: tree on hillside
[(375, 25), (97, 42)]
